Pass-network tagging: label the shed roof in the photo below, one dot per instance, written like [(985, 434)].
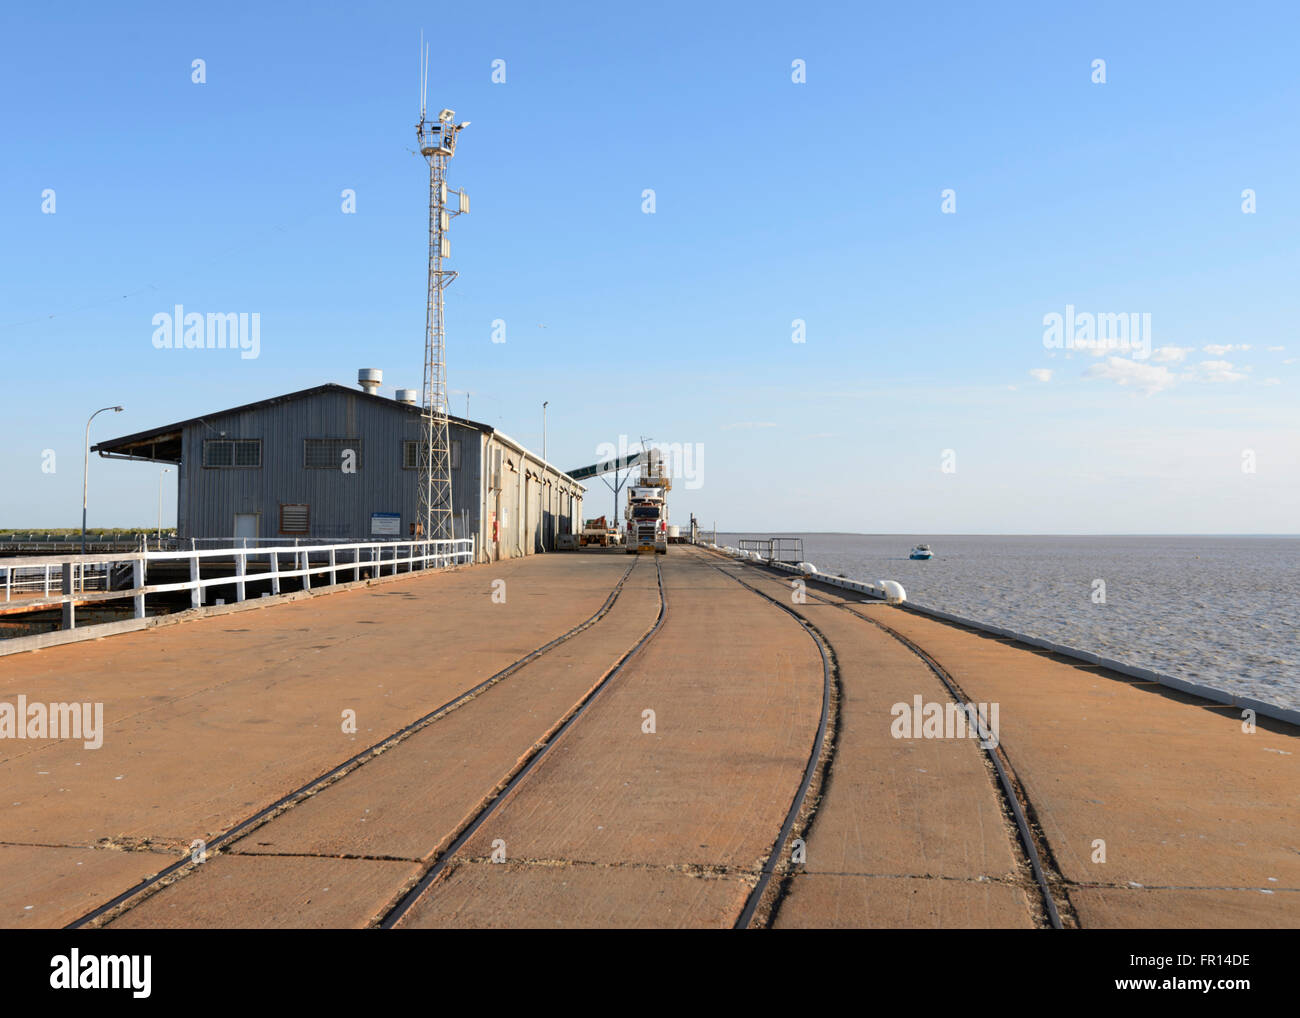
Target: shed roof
[(163, 444)]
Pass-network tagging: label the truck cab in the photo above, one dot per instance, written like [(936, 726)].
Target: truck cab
[(647, 520)]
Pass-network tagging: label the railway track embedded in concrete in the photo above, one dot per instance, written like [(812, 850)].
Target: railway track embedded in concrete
[(814, 758), (131, 897), (438, 866), (1010, 789)]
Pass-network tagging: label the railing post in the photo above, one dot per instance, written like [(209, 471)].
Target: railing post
[(333, 562), (241, 569), (47, 579), (69, 620), (275, 572), (9, 579), (138, 583), (196, 592)]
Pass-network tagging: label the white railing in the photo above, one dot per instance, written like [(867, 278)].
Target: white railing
[(172, 543), (21, 580), (349, 560)]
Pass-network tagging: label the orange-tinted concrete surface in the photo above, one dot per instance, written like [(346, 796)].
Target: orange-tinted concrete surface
[(412, 799), (45, 885), (683, 816), (1185, 804), (821, 901), (245, 891), (486, 895), (209, 721), (909, 832)]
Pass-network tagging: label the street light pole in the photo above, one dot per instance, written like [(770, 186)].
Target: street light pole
[(544, 406), (160, 480), (85, 471)]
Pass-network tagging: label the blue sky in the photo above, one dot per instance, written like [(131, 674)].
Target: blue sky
[(774, 201)]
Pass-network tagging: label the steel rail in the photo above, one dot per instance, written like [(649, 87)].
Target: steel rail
[(359, 759), (395, 914), (769, 867), (1006, 786)]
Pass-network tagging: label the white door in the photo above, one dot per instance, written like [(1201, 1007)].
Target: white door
[(246, 525)]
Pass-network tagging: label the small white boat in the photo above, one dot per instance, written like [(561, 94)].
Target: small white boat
[(921, 551)]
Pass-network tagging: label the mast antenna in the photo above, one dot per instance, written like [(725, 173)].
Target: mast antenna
[(437, 142)]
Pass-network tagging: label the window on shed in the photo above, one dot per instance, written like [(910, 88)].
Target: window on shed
[(327, 453), (232, 452), (411, 455), (295, 518)]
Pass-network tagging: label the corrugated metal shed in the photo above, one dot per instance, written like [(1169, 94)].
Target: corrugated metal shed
[(216, 500)]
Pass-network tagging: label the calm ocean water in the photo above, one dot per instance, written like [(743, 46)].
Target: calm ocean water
[(1222, 611)]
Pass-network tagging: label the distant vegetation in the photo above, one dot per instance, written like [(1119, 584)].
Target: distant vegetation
[(58, 533)]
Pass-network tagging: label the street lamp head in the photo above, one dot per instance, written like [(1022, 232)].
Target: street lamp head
[(118, 409)]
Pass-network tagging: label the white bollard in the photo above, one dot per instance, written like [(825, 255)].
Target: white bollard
[(893, 591)]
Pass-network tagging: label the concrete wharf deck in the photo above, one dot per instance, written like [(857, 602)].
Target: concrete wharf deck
[(596, 739)]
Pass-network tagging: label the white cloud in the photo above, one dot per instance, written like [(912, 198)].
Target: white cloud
[(1122, 371), (1274, 349), (1170, 354), (1151, 378), (1218, 350), (1215, 371), (1042, 374)]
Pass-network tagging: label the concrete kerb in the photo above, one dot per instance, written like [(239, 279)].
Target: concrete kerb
[(1262, 709), (41, 641)]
